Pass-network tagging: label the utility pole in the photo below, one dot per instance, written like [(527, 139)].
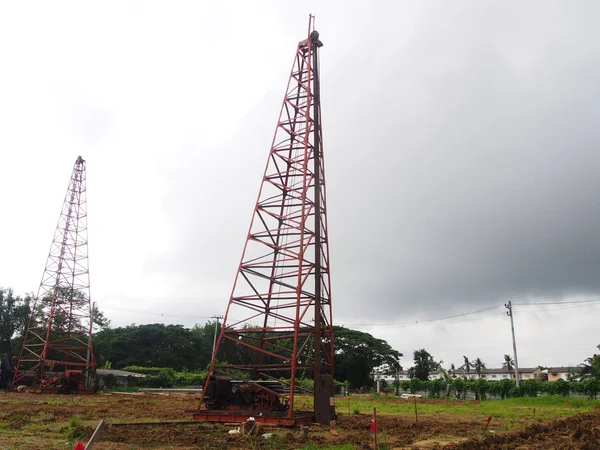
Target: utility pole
[(512, 327), (215, 339)]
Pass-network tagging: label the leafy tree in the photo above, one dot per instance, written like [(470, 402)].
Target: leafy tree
[(591, 386), (357, 354), (460, 387), (203, 339), (478, 365), (155, 345), (14, 313), (508, 363), (435, 387), (503, 387), (424, 364), (591, 367), (481, 387), (559, 387), (99, 319)]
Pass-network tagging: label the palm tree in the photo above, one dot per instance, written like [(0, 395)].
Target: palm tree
[(467, 365), (478, 365), (508, 363)]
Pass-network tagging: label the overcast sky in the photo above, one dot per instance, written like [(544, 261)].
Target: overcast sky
[(460, 138)]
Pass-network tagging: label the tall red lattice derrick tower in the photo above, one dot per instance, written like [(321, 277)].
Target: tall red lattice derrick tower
[(278, 321), (57, 354)]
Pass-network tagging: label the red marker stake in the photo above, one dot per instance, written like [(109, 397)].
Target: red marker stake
[(487, 424)]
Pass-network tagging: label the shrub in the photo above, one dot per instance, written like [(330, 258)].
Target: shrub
[(435, 387), (110, 381), (164, 379), (74, 430)]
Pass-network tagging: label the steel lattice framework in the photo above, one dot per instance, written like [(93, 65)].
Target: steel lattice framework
[(279, 311), (58, 340)]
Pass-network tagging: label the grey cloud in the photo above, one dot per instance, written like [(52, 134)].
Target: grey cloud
[(461, 165)]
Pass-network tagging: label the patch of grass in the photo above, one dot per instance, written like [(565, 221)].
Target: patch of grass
[(17, 417), (42, 417), (57, 402), (546, 408), (74, 430)]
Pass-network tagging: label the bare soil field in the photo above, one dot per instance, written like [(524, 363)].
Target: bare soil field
[(33, 421)]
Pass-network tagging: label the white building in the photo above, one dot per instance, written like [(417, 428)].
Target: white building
[(527, 373)]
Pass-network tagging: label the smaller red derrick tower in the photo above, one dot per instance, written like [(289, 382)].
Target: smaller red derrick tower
[(278, 323), (57, 354)]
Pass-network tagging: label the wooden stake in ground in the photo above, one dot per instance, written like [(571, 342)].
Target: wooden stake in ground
[(416, 415), (374, 426), (92, 440)]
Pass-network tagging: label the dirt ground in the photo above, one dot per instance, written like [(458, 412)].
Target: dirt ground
[(33, 421), (581, 431)]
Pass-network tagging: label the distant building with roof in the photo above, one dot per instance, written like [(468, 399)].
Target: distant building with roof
[(563, 373), (525, 373)]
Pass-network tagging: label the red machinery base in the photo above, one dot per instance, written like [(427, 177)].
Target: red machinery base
[(225, 416)]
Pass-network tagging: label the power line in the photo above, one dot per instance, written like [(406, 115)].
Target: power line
[(417, 322), (557, 302), (557, 309), (157, 313), (427, 321)]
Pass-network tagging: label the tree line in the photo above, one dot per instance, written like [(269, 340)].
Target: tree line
[(358, 355), (424, 364), (189, 350), (458, 388)]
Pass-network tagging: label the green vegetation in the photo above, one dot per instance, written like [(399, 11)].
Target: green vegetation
[(546, 407), (423, 365), (175, 356), (458, 388), (14, 312), (357, 354), (74, 430)]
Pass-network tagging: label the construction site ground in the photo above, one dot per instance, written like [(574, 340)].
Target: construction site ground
[(35, 421)]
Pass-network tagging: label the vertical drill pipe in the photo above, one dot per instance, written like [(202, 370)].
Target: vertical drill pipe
[(317, 193)]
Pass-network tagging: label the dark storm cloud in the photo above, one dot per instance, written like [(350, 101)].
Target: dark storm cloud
[(462, 160), (473, 182)]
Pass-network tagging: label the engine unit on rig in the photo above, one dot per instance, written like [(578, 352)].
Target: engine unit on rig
[(224, 393)]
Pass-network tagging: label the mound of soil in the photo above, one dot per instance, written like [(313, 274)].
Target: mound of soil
[(581, 431)]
